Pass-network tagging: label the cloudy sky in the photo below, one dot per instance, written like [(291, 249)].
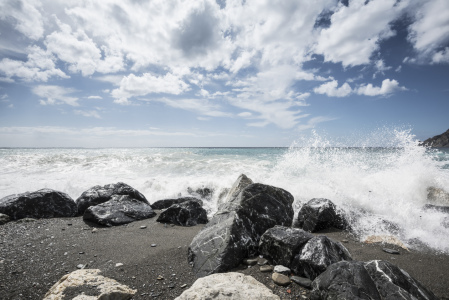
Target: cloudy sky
[(219, 73)]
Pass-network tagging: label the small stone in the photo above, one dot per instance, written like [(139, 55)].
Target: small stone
[(301, 281), (282, 270), (82, 252), (266, 268), (250, 261), (80, 266), (143, 227), (160, 277), (65, 253), (94, 230), (345, 241), (153, 245), (69, 224), (118, 265), (183, 286), (280, 279), (391, 251), (171, 285), (262, 261)]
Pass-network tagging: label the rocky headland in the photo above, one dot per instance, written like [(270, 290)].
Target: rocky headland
[(109, 243), (438, 141)]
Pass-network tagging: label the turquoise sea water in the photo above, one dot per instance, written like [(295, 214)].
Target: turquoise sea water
[(387, 183)]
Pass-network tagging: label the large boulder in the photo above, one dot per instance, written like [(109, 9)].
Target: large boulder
[(4, 219), (188, 213), (317, 254), (234, 231), (395, 283), (319, 214), (101, 194), (437, 196), (166, 203), (345, 280), (73, 286), (232, 193), (281, 244), (227, 286), (45, 203), (119, 210)]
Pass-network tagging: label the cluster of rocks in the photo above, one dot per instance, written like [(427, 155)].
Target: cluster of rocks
[(109, 205)]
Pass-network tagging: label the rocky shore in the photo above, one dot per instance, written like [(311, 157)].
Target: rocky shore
[(159, 254)]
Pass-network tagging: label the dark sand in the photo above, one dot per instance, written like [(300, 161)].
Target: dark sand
[(32, 258)]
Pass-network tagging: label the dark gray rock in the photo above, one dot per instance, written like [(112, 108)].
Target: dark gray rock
[(302, 281), (235, 230), (166, 203), (437, 196), (242, 182), (390, 251), (316, 255), (4, 219), (395, 283), (438, 141), (45, 203), (189, 213), (101, 194), (319, 214), (203, 192), (281, 244), (443, 209), (119, 210), (345, 280)]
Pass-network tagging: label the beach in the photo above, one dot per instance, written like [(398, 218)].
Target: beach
[(35, 255)]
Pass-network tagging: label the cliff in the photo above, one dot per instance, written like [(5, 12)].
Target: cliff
[(438, 141)]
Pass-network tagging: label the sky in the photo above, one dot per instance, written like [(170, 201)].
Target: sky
[(199, 73)]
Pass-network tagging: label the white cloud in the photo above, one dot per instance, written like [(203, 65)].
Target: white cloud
[(245, 114), (312, 122), (388, 87), (40, 66), (441, 56), (430, 31), (88, 113), (381, 68), (26, 15), (331, 89), (53, 94), (132, 86), (356, 30), (94, 97)]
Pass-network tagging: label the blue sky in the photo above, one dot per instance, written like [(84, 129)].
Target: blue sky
[(135, 73)]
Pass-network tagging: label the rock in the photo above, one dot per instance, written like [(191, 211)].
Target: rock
[(437, 196), (4, 219), (101, 194), (73, 285), (262, 261), (266, 268), (119, 210), (280, 279), (234, 231), (163, 204), (242, 182), (319, 214), (153, 245), (250, 261), (395, 283), (302, 281), (438, 141), (227, 286), (204, 192), (26, 220), (45, 203), (189, 213), (118, 265), (282, 270), (281, 243), (390, 251), (316, 255), (388, 239), (345, 280), (443, 209), (143, 227)]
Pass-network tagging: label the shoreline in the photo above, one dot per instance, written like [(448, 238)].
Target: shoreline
[(35, 255)]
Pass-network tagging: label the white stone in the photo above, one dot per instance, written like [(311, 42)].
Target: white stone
[(107, 288), (282, 270), (227, 286)]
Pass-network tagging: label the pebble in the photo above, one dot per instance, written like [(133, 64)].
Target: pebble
[(143, 227), (262, 261), (94, 230), (160, 277), (153, 245), (282, 270), (280, 279), (65, 253), (81, 252), (250, 261), (266, 268), (391, 251), (345, 241), (118, 265), (302, 281), (183, 286), (80, 266)]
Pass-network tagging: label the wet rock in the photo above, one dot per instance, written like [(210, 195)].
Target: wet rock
[(4, 219), (45, 203), (302, 281), (234, 231), (250, 261), (266, 268), (119, 210), (79, 281), (166, 203), (189, 213), (443, 209), (345, 280), (282, 270), (241, 182), (228, 286), (281, 243), (280, 279), (319, 214), (390, 251), (437, 196), (316, 255), (388, 239), (203, 192), (395, 283), (101, 194)]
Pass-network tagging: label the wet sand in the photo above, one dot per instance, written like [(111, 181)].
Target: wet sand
[(35, 255)]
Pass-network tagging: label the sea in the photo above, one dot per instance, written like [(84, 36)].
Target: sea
[(383, 177)]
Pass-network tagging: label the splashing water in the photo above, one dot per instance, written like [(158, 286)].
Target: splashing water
[(380, 185)]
